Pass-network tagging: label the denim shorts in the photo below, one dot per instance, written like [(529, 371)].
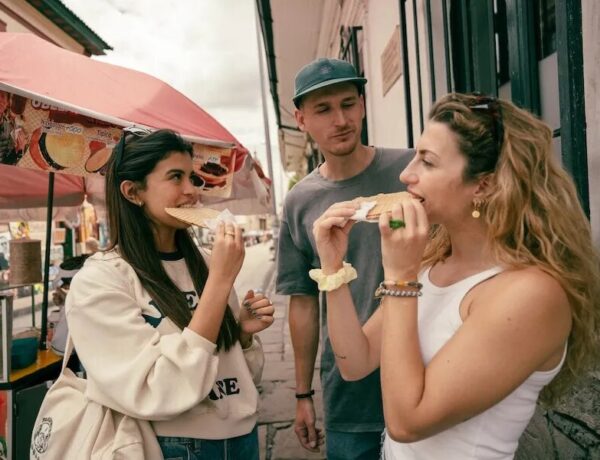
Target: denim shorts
[(241, 447)]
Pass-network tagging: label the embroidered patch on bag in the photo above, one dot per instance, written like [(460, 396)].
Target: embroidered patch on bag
[(41, 437)]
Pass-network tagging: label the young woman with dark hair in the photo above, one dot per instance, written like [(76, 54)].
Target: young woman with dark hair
[(156, 327)]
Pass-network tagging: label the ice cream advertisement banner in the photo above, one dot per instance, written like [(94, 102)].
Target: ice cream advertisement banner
[(216, 166), (40, 136), (37, 135)]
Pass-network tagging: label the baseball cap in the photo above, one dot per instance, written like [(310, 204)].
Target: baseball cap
[(324, 72)]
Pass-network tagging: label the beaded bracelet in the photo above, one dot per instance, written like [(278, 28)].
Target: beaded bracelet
[(400, 283), (395, 293), (383, 291)]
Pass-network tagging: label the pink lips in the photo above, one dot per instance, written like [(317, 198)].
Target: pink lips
[(344, 134), (415, 196)]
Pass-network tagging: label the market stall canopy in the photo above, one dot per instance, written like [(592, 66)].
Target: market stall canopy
[(54, 100), (23, 196), (29, 189), (32, 66)]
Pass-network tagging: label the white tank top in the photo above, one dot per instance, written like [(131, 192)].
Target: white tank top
[(493, 434)]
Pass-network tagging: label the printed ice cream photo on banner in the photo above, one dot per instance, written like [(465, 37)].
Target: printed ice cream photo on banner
[(12, 137), (37, 135), (216, 166)]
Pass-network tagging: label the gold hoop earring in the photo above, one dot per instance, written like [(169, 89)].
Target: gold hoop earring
[(476, 214)]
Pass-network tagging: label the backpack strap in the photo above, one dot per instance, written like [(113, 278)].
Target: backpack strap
[(68, 352)]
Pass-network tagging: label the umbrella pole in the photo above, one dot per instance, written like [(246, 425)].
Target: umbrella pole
[(44, 333)]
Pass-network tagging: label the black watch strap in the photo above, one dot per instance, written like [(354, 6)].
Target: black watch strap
[(305, 395)]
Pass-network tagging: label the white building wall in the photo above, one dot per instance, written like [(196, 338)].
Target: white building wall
[(386, 114), (330, 23), (591, 71), (439, 50), (335, 16), (412, 66), (424, 54)]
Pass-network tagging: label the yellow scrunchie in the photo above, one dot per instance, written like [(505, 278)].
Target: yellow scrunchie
[(331, 282)]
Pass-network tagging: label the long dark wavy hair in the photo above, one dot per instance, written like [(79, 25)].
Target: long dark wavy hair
[(132, 236)]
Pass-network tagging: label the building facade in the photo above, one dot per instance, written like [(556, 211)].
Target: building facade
[(544, 55), (53, 21)]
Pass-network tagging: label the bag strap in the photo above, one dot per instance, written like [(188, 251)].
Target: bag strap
[(68, 352)]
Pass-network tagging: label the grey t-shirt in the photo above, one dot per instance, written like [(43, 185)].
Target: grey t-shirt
[(349, 406)]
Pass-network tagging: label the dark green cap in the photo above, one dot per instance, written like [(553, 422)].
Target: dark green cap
[(324, 72)]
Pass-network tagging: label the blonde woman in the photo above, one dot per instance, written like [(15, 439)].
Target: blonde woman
[(491, 293)]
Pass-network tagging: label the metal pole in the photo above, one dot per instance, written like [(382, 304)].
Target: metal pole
[(449, 83), (406, 75), (430, 50), (418, 57), (265, 117), (569, 51), (44, 332)]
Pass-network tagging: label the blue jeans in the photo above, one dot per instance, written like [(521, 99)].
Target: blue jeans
[(242, 447), (353, 446)]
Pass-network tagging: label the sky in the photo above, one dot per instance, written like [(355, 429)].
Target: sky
[(206, 49)]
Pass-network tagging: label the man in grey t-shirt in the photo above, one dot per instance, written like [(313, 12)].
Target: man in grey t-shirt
[(330, 107)]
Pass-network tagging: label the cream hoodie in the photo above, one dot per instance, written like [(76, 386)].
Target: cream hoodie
[(141, 364)]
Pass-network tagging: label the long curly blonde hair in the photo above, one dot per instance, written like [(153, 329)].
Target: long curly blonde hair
[(532, 213)]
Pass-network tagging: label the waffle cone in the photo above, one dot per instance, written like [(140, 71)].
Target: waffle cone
[(385, 203), (193, 216)]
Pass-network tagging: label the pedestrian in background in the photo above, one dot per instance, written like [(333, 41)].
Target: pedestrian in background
[(3, 262), (501, 305), (157, 327), (92, 245), (331, 109), (57, 319)]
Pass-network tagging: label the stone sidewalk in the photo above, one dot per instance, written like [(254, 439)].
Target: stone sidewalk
[(278, 405)]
